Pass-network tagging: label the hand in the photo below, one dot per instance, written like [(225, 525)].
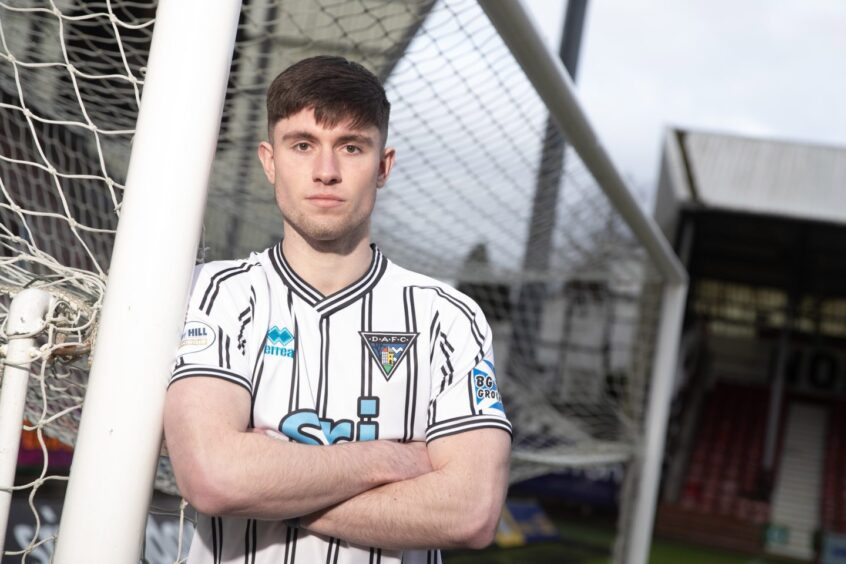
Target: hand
[(405, 461)]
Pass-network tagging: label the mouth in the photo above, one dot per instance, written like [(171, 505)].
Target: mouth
[(325, 200)]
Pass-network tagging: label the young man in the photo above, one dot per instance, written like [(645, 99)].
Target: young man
[(327, 405)]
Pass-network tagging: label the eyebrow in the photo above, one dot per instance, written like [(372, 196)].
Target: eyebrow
[(342, 140), (291, 135), (355, 138)]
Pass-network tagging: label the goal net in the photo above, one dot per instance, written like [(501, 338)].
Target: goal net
[(572, 296)]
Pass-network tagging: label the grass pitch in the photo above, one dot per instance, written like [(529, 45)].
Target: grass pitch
[(590, 542)]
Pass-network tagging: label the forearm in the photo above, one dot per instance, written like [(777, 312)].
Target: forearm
[(255, 476), (457, 505), (222, 468), (402, 515)]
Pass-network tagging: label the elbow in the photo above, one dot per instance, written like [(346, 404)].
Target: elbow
[(207, 498), (482, 534), (204, 486), (479, 526)]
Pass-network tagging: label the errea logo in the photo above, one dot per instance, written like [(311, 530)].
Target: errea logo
[(280, 336), (277, 341)]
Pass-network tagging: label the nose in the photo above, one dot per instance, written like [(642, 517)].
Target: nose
[(326, 170)]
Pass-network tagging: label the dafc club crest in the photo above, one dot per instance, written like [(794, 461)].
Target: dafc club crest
[(388, 349)]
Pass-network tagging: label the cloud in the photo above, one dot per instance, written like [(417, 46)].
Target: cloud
[(760, 67)]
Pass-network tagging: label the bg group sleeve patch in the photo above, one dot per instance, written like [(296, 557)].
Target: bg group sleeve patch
[(485, 392), (196, 337)]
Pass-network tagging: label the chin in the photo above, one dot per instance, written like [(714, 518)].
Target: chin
[(329, 233)]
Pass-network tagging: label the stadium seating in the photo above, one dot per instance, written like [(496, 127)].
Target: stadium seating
[(725, 465), (834, 482)]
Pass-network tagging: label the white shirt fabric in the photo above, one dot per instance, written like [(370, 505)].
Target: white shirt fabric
[(395, 355)]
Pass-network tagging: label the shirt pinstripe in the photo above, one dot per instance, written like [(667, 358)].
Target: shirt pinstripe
[(395, 355)]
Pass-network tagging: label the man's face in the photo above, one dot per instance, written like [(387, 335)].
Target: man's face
[(325, 178)]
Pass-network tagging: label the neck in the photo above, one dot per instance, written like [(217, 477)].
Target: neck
[(328, 266)]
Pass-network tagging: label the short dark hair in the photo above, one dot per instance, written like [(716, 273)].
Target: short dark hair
[(335, 88)]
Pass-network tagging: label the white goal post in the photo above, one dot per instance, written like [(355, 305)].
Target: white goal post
[(553, 84), (149, 276)]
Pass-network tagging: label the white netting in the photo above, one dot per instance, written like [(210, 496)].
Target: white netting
[(574, 323)]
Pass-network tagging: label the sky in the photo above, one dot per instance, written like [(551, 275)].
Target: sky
[(760, 68)]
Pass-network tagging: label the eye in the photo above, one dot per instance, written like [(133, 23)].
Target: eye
[(351, 149), (301, 146)]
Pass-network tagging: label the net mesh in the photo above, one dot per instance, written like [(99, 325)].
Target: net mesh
[(570, 296)]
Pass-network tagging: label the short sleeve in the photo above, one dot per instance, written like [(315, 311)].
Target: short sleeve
[(465, 395), (215, 337)]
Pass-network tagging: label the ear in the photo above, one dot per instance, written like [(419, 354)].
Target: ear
[(386, 163), (265, 155)]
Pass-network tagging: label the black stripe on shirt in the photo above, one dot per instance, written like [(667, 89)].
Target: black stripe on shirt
[(416, 370), (215, 549), (446, 370), (360, 286), (219, 539), (292, 281), (296, 537), (434, 330), (245, 317), (355, 287), (321, 373), (252, 312), (463, 308), (405, 431), (220, 348), (289, 535), (258, 363), (432, 412), (333, 550), (325, 368), (363, 287), (227, 347), (257, 373), (247, 539), (466, 423), (411, 365), (369, 299), (192, 370), (446, 342), (295, 279), (470, 392), (365, 356), (501, 425), (231, 272), (467, 311), (214, 280)]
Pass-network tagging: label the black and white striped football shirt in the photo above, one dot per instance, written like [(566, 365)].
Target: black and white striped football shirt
[(396, 355)]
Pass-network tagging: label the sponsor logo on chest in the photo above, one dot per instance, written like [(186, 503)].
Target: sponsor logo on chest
[(279, 342), (388, 349)]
